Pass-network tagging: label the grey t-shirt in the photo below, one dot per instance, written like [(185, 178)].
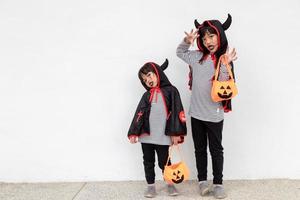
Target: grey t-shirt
[(202, 107), (157, 120)]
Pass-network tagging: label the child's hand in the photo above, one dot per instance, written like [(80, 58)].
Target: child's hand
[(133, 139), (190, 37), (231, 55), (175, 139)]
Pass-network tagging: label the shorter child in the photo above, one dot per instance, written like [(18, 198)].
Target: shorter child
[(159, 122)]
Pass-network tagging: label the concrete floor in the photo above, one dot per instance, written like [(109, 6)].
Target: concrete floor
[(278, 189)]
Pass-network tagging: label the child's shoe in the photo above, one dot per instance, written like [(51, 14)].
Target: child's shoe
[(172, 191), (203, 188), (150, 191), (219, 192)]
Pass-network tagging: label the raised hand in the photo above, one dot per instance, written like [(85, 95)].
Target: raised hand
[(190, 37), (231, 55)]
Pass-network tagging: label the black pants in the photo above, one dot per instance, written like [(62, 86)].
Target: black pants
[(202, 132), (149, 159)]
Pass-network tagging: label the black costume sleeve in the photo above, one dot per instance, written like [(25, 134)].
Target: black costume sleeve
[(176, 122), (139, 119)]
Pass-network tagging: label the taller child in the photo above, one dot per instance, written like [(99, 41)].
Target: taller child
[(207, 116)]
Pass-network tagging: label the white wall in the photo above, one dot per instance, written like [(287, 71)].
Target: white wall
[(69, 86)]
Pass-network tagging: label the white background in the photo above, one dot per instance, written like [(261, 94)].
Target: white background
[(69, 85)]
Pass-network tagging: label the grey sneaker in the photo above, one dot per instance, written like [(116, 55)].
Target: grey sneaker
[(219, 192), (203, 188), (172, 191), (150, 191)]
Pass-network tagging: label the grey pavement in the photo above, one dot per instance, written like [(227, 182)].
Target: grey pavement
[(268, 189)]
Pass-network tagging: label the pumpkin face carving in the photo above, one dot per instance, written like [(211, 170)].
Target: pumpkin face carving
[(225, 92), (178, 177)]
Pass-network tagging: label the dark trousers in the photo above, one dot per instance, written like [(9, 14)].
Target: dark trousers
[(202, 132), (149, 150)]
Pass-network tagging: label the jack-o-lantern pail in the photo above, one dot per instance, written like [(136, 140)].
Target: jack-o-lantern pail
[(223, 90), (177, 172)]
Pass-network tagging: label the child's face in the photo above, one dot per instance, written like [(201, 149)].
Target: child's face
[(210, 41), (150, 79)]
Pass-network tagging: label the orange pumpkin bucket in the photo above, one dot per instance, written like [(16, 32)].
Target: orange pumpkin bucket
[(177, 172), (223, 90)]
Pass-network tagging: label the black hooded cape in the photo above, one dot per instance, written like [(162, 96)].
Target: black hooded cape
[(175, 122)]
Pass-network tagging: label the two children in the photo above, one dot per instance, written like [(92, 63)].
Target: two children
[(159, 122), (159, 119)]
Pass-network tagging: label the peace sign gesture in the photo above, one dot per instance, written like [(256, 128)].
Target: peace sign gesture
[(190, 37)]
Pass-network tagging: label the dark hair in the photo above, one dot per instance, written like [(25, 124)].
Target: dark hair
[(207, 29), (145, 70)]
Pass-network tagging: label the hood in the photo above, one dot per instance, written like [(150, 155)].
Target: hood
[(162, 79), (220, 29)]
